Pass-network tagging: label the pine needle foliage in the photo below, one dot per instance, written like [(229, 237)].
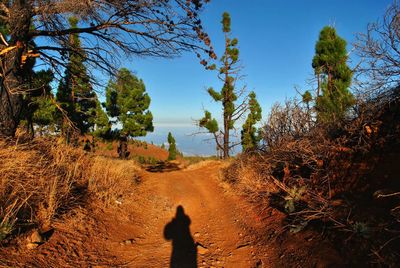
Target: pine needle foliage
[(128, 102), (172, 151), (334, 77), (250, 137)]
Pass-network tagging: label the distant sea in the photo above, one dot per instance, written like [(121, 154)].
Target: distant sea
[(189, 143)]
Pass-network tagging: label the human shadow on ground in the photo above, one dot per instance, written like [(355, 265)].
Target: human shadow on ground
[(184, 250), (163, 167)]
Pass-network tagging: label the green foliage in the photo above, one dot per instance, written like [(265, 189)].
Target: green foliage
[(209, 123), (101, 122), (109, 146), (6, 229), (163, 146), (333, 106), (215, 95), (172, 151), (330, 65), (293, 196), (226, 22), (75, 92), (361, 229), (250, 137), (44, 114), (306, 97), (41, 108), (128, 102), (147, 160)]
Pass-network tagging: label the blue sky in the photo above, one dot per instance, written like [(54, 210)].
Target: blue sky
[(276, 41)]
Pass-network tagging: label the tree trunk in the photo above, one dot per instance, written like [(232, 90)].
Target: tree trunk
[(13, 84), (226, 135), (10, 110), (122, 149), (226, 99)]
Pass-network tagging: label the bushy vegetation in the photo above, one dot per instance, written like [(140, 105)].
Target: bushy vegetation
[(149, 160), (343, 182), (328, 161)]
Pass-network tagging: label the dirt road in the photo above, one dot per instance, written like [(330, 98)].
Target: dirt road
[(190, 220), (173, 218)]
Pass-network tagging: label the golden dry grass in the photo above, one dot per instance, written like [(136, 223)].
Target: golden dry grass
[(247, 175), (41, 180), (112, 179)]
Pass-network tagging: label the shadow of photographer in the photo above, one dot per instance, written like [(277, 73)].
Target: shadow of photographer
[(184, 250)]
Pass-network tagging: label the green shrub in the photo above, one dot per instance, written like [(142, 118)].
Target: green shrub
[(293, 196), (109, 146)]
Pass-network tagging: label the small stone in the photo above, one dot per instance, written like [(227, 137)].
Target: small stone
[(128, 242), (35, 237), (32, 245), (197, 234), (201, 250)]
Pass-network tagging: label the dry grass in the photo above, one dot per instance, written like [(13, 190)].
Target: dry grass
[(37, 181), (112, 179), (41, 180)]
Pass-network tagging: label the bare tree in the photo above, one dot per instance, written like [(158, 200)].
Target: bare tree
[(108, 29), (286, 122), (380, 53)]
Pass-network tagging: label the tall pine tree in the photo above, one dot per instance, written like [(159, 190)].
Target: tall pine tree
[(75, 92), (229, 73), (334, 77)]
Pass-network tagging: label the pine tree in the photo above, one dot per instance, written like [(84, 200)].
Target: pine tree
[(40, 109), (172, 147), (75, 92), (43, 116), (128, 102), (334, 77), (228, 96), (250, 138)]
